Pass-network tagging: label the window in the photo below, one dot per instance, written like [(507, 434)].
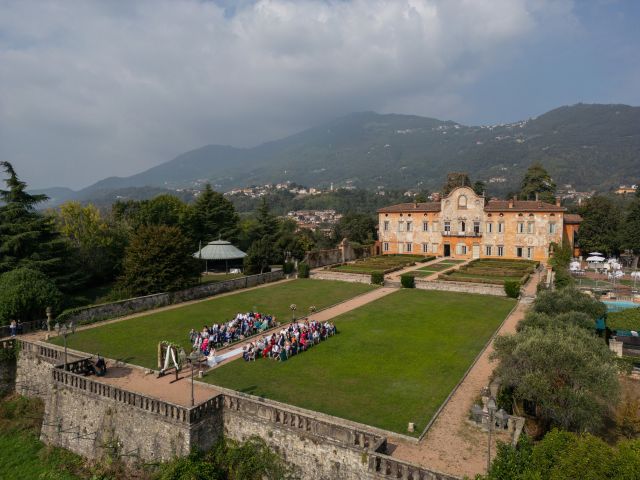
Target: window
[(409, 226), (529, 252), (401, 226), (461, 249), (386, 226), (476, 227), (385, 246), (500, 251), (519, 252), (462, 227), (447, 227), (425, 226), (552, 227), (462, 201), (530, 226), (425, 248), (489, 227), (520, 227), (488, 250), (500, 227), (409, 247)]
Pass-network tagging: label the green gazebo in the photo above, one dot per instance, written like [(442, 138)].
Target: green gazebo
[(220, 252)]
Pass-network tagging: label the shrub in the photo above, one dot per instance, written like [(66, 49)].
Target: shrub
[(303, 270), (512, 288), (25, 294), (553, 302), (287, 268), (408, 281), (377, 278)]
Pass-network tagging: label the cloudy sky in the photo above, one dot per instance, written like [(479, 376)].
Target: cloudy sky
[(90, 89)]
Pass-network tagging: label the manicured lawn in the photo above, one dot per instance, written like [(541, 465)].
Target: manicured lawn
[(136, 340), (437, 267), (381, 263), (393, 361), (492, 271)]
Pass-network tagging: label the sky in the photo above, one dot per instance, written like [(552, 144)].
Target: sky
[(92, 89)]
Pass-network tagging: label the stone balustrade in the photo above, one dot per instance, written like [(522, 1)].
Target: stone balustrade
[(385, 466)]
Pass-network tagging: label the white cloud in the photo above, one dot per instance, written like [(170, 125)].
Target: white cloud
[(90, 89)]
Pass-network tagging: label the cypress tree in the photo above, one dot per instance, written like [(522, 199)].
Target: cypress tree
[(214, 217)]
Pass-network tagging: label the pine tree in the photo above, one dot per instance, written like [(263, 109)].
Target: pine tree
[(537, 181), (214, 217), (29, 238)]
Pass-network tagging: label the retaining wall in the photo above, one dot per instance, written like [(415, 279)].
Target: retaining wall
[(95, 419), (344, 277), (140, 304), (463, 287)]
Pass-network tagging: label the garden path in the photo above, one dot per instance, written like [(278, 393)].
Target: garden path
[(452, 445)]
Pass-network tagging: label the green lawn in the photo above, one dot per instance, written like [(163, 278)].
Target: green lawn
[(493, 271), (136, 340), (394, 360), (381, 263), (437, 267)]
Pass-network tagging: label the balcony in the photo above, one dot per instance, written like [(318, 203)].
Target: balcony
[(460, 234)]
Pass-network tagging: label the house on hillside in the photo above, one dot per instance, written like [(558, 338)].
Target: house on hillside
[(466, 225)]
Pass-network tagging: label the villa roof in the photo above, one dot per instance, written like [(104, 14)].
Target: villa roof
[(573, 218), (219, 250), (411, 207), (521, 205)]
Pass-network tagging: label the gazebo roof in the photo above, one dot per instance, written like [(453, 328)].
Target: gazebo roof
[(219, 250)]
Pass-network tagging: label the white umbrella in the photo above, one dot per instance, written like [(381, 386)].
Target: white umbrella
[(596, 254), (595, 259)]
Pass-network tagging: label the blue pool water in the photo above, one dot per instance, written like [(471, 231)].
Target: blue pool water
[(618, 306)]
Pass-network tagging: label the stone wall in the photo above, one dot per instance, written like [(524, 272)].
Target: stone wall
[(8, 356), (345, 277), (95, 419), (463, 287), (140, 304)]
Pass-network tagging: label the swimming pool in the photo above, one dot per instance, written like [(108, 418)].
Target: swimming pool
[(618, 306)]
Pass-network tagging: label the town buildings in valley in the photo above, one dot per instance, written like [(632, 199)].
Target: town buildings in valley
[(466, 225)]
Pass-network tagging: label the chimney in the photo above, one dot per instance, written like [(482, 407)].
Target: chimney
[(512, 201), (537, 197), (558, 203)]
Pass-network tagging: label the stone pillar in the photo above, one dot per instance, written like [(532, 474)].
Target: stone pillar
[(615, 346)]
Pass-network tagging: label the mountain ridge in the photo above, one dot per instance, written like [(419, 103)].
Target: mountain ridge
[(368, 150)]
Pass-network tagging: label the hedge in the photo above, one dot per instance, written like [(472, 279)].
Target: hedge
[(408, 281), (303, 270), (377, 278), (512, 288)]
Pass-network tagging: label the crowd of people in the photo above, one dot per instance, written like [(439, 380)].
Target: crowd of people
[(297, 337), (220, 335)]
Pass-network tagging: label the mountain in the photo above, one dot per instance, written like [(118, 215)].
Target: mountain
[(587, 146)]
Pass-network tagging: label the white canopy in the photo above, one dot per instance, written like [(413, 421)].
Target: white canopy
[(595, 259), (597, 254)]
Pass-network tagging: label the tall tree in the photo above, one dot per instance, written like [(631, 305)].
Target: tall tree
[(537, 181), (29, 238), (99, 241), (263, 251), (25, 294), (214, 217), (356, 227), (479, 187), (158, 259), (455, 180), (631, 231), (599, 230)]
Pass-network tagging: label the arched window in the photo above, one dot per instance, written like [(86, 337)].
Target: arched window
[(462, 201)]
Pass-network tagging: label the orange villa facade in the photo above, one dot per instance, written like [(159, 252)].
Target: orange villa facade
[(465, 225)]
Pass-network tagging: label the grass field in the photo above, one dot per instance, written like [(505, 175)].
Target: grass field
[(393, 361), (381, 263), (136, 340)]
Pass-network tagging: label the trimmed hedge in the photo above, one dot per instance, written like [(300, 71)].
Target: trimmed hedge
[(377, 278), (408, 281), (512, 288), (303, 270), (287, 268)]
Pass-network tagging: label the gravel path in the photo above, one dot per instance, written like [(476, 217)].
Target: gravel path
[(452, 445)]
